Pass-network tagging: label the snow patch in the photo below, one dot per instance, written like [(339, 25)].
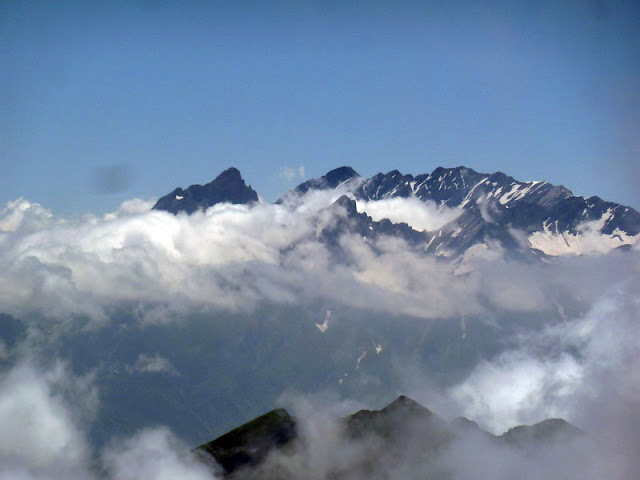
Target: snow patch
[(518, 191), (588, 239), (360, 358), (324, 325), (469, 196)]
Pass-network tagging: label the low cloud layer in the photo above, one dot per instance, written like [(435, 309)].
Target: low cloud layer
[(235, 257)]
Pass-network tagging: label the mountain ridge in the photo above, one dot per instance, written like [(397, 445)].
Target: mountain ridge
[(493, 207)]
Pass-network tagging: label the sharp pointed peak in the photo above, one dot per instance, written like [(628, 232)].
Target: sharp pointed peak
[(228, 186)]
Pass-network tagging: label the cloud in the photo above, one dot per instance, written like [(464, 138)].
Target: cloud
[(417, 214), (38, 434), (235, 257), (154, 454), (585, 370), (43, 437), (518, 389), (25, 215), (588, 239)]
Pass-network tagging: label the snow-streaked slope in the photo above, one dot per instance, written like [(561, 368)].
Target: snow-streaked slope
[(588, 239)]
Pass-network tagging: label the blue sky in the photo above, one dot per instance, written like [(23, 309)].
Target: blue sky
[(159, 94)]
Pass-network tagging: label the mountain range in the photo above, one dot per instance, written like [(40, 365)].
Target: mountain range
[(532, 217)]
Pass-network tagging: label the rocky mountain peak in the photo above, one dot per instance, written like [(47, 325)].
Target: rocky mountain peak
[(339, 175), (227, 187)]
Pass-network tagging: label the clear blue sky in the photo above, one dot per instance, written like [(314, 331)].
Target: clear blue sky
[(162, 94)]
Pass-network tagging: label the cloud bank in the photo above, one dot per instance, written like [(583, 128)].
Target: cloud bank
[(235, 257), (584, 370)]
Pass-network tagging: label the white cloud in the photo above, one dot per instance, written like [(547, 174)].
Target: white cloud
[(585, 370), (153, 454), (235, 257), (417, 214), (38, 435), (588, 239), (517, 389), (22, 214)]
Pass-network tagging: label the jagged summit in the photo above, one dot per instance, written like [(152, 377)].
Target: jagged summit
[(231, 174), (229, 187), (548, 219), (457, 186)]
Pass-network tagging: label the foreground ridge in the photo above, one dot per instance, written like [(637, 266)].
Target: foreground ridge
[(404, 431)]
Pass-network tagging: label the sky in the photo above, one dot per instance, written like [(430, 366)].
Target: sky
[(104, 101)]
